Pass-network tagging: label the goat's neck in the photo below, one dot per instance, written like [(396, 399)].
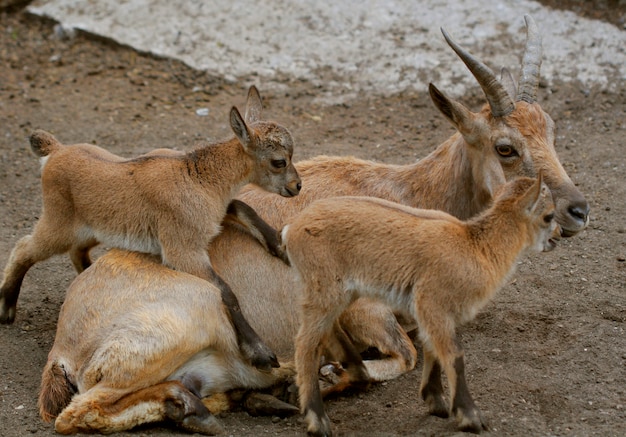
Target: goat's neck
[(500, 236), (225, 167), (445, 180)]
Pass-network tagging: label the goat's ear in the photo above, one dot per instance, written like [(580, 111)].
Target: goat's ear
[(254, 106), (459, 115), (532, 196), (240, 129), (509, 83)]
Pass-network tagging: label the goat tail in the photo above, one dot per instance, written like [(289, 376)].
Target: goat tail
[(43, 143), (56, 391)]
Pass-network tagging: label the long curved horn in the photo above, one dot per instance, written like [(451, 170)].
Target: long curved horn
[(531, 63), (499, 101)]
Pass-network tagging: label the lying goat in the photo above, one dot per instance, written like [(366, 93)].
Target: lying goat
[(164, 203), (149, 355), (428, 263)]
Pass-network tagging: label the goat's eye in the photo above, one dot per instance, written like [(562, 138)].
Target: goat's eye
[(506, 151), (279, 163), (548, 218)]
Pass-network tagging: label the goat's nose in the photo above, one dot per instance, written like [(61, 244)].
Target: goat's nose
[(579, 211)]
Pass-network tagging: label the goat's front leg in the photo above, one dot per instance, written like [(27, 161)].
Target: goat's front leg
[(431, 388), (450, 355), (246, 218), (252, 347), (79, 254), (197, 263)]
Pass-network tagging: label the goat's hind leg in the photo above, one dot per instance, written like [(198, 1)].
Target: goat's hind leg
[(107, 410), (44, 242)]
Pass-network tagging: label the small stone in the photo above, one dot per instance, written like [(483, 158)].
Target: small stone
[(202, 112), (64, 33)]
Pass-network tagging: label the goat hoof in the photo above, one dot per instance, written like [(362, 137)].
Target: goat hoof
[(318, 426), (471, 421), (7, 314), (207, 425), (265, 361), (259, 355), (437, 406), (280, 254), (332, 373), (333, 378)]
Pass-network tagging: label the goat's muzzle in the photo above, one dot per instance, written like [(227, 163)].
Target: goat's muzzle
[(291, 190)]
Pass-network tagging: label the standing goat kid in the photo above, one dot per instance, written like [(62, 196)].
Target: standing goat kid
[(164, 203), (428, 263)]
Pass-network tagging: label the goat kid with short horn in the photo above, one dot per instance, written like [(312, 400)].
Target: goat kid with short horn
[(427, 263), (165, 203)]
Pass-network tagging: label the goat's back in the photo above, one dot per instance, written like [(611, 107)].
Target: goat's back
[(357, 236), (327, 176)]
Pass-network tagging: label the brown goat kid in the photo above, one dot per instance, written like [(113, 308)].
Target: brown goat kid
[(165, 203), (427, 263)]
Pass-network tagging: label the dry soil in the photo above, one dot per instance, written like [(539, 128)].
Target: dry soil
[(547, 357)]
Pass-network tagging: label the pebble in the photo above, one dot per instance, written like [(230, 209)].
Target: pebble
[(64, 33), (202, 112)]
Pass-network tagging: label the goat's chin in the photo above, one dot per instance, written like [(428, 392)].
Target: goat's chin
[(549, 245), (566, 233), (286, 193)]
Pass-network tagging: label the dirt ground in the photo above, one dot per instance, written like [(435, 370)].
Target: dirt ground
[(546, 357)]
